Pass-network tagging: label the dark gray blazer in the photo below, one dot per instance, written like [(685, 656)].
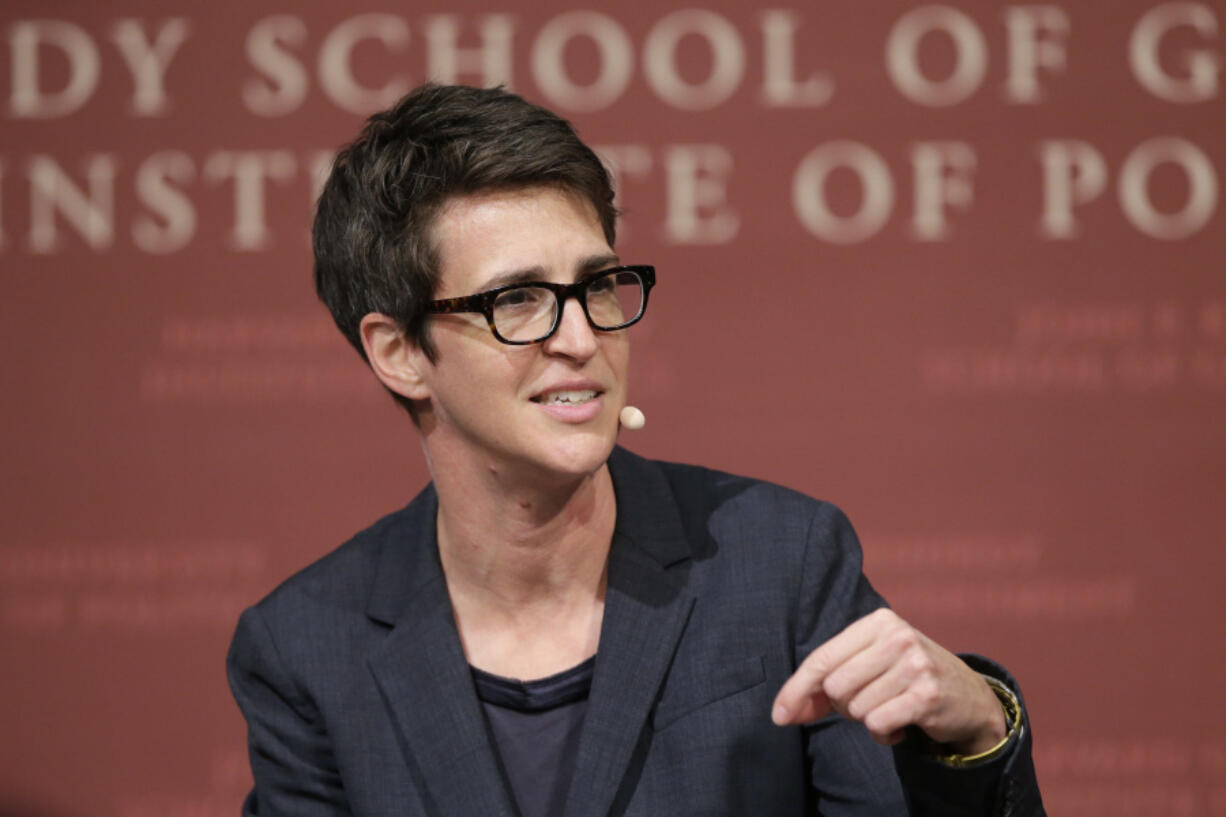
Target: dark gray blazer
[(359, 699)]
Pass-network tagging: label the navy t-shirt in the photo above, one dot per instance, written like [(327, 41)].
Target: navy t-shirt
[(535, 726)]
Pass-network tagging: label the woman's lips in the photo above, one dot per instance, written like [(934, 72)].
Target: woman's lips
[(571, 405)]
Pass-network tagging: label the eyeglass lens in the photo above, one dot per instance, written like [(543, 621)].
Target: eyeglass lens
[(528, 313)]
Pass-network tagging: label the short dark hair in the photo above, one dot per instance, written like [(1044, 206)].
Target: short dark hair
[(372, 231)]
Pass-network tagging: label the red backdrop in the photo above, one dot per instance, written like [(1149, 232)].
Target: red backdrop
[(957, 268)]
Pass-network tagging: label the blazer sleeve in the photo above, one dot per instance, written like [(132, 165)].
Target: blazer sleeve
[(1004, 787), (852, 775), (291, 757)]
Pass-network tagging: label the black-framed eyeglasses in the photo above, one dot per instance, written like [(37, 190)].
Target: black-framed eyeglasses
[(530, 312)]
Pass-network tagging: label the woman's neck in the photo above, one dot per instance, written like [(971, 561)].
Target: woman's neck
[(525, 570), (519, 542)]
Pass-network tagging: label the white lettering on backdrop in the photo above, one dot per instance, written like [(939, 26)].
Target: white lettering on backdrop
[(679, 64)]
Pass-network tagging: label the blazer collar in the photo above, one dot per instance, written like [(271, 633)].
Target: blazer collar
[(425, 680), (408, 557), (647, 512)]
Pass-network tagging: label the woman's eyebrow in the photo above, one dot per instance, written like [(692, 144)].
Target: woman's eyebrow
[(519, 276), (596, 263), (586, 266)]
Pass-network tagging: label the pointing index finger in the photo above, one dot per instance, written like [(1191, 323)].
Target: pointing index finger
[(801, 699)]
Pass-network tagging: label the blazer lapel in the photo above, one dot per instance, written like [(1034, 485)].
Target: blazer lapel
[(646, 609), (423, 676)]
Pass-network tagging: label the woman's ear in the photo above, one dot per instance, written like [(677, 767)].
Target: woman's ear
[(397, 361)]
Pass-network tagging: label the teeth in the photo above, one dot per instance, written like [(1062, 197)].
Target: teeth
[(567, 398)]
